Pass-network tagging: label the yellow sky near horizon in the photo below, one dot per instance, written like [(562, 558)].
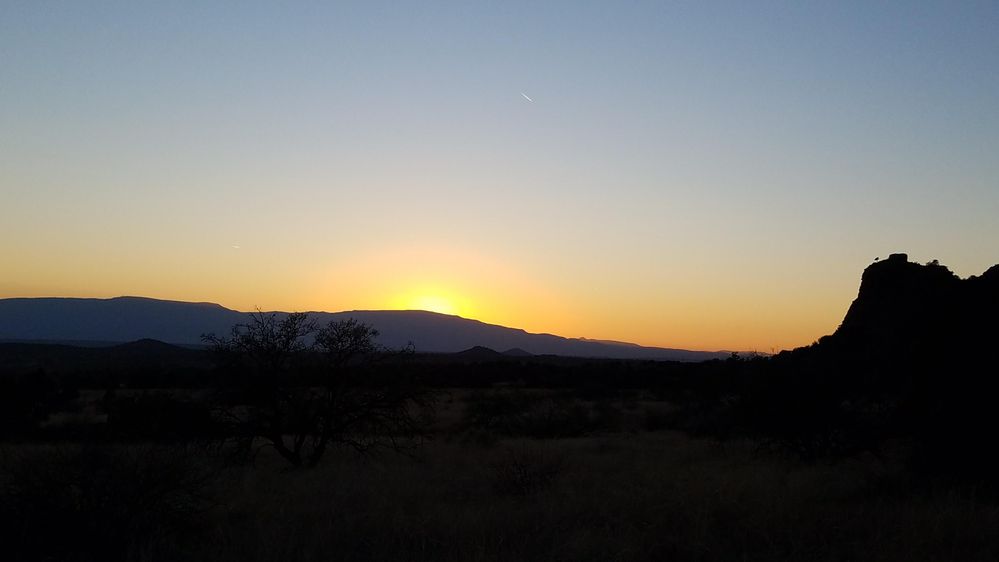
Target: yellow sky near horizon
[(725, 305), (721, 308)]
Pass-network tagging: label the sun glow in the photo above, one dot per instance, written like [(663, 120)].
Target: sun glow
[(447, 280), (431, 297), (433, 303)]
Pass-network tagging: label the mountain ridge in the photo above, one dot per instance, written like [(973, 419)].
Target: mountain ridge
[(130, 318)]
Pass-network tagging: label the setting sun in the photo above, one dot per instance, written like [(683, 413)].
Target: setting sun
[(432, 303), (431, 297)]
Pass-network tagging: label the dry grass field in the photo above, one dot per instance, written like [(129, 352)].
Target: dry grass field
[(623, 494), (651, 496)]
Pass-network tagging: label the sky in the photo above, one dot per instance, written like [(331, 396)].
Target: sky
[(702, 175)]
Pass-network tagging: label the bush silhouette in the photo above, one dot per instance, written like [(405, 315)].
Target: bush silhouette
[(548, 415), (304, 397), (524, 471), (158, 416), (101, 502), (28, 400)]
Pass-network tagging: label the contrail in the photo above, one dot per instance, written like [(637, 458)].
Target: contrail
[(526, 97)]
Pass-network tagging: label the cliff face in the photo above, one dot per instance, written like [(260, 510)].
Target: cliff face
[(911, 309), (911, 364)]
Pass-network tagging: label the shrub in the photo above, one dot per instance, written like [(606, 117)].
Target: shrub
[(516, 413), (348, 406), (159, 417), (28, 400), (100, 502), (525, 471)]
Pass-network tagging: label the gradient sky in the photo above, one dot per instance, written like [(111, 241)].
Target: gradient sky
[(692, 174)]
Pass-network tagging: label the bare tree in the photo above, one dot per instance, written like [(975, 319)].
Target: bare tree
[(362, 406), (304, 397)]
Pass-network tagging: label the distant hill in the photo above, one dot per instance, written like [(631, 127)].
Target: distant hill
[(122, 319), (144, 358), (479, 353), (127, 319)]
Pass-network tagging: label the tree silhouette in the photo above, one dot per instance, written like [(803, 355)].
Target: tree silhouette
[(303, 397)]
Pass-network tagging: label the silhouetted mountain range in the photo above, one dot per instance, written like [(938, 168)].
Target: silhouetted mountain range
[(126, 319)]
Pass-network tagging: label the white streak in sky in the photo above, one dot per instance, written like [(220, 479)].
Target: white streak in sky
[(526, 97)]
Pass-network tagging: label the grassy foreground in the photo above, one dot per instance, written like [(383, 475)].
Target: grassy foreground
[(625, 492), (652, 496)]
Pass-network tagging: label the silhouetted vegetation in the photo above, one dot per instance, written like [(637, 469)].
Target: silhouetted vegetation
[(160, 417), (27, 400), (305, 397), (97, 502)]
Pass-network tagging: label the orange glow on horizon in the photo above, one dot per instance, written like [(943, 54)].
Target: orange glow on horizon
[(433, 303), (670, 313), (648, 307), (432, 300)]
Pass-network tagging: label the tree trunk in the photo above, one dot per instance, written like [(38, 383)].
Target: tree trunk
[(294, 457)]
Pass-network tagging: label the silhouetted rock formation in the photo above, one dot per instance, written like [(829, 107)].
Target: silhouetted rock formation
[(904, 308), (912, 361)]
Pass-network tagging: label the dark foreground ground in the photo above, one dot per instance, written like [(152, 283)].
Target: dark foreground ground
[(624, 488)]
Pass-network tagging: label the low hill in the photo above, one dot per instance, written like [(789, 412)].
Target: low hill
[(479, 353), (142, 360)]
